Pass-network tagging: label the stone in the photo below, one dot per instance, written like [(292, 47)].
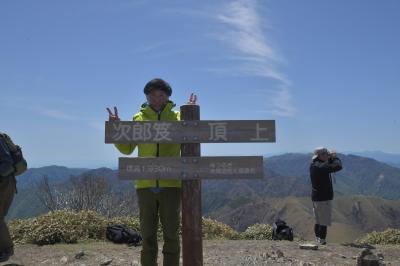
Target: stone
[(308, 246), (106, 262), (365, 252), (277, 253), (280, 260), (367, 258), (64, 260), (370, 260), (380, 256), (135, 263), (79, 255), (265, 255), (303, 263)]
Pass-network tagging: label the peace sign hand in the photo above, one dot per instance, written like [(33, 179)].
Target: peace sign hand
[(113, 116), (192, 98)]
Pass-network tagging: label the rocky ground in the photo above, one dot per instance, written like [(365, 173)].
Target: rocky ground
[(216, 252)]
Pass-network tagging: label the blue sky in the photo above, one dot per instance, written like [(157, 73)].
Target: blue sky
[(326, 71)]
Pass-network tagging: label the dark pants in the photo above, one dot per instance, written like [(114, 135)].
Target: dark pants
[(320, 231), (7, 191), (163, 206)]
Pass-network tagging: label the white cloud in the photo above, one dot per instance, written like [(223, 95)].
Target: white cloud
[(282, 102), (244, 33), (154, 46), (56, 114), (246, 29)]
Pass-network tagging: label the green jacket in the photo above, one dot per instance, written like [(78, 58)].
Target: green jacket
[(151, 149)]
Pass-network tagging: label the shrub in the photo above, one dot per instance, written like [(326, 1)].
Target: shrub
[(64, 227), (20, 229), (215, 230), (258, 232), (389, 236), (70, 227), (58, 227)]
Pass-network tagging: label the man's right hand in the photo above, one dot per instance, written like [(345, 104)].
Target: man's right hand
[(192, 99), (113, 116)]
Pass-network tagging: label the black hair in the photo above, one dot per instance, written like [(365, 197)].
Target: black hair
[(157, 84)]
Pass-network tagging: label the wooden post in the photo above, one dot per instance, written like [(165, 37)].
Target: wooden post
[(192, 244)]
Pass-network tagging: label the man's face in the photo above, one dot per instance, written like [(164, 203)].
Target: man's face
[(324, 156), (157, 99)]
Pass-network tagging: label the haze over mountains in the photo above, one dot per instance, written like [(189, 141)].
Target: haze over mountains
[(366, 199), (389, 158)]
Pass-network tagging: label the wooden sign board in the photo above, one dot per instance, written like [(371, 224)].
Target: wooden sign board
[(202, 131), (236, 167)]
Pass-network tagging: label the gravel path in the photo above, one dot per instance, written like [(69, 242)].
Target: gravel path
[(216, 252)]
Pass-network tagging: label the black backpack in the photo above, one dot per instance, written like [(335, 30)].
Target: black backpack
[(19, 162), (281, 231), (119, 233)]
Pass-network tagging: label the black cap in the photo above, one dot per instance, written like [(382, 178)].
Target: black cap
[(157, 84)]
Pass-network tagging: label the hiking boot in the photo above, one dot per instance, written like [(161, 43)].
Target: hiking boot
[(6, 254), (4, 257), (320, 241)]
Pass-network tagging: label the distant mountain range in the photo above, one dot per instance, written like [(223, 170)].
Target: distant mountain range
[(360, 175), (353, 216), (26, 202), (392, 159), (389, 158), (283, 192)]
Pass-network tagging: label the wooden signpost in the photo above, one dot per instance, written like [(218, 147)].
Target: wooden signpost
[(191, 168), (190, 131), (244, 167)]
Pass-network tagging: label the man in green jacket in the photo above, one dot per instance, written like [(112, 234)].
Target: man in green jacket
[(158, 199)]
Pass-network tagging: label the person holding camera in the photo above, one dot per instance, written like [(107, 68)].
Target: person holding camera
[(7, 191), (323, 164)]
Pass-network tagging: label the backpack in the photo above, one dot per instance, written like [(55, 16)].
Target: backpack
[(281, 231), (19, 163), (119, 233)]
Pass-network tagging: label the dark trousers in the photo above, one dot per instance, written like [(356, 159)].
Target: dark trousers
[(163, 206), (320, 231), (7, 191)]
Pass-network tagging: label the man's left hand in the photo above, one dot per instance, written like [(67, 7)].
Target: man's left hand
[(192, 99)]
